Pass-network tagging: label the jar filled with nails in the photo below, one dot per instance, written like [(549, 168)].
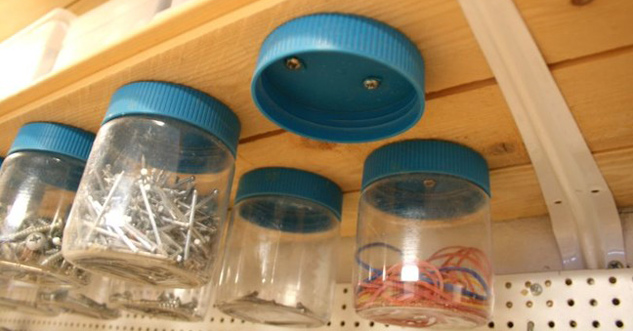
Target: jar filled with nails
[(38, 182), (152, 202)]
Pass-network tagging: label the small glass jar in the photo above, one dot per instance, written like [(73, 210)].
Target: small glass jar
[(178, 304), (279, 262), (24, 298), (152, 203), (423, 239), (38, 182), (89, 301)]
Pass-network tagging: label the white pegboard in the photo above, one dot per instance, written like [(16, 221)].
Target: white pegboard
[(577, 300)]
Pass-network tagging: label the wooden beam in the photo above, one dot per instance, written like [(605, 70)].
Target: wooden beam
[(212, 45), (598, 93)]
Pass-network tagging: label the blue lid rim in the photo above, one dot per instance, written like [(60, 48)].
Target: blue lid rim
[(430, 156), (178, 102), (53, 138), (418, 101), (321, 191)]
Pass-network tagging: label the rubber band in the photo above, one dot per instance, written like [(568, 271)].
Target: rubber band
[(455, 279)]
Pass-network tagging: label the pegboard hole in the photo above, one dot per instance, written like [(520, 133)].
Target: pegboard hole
[(558, 202), (491, 325), (549, 303), (529, 304), (595, 324), (356, 324), (508, 285), (344, 307), (613, 280), (371, 324), (568, 282), (593, 302), (345, 290), (548, 283), (573, 324), (615, 301), (570, 302), (619, 324), (509, 304), (590, 281), (595, 191), (342, 323), (551, 324), (510, 325)]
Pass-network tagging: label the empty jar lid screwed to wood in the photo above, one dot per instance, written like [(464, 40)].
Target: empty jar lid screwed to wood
[(151, 206), (423, 238), (37, 186), (340, 78), (279, 261)]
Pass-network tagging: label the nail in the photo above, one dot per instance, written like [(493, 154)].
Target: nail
[(191, 220)]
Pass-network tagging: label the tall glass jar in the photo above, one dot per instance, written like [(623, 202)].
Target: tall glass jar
[(423, 241), (38, 182), (279, 262), (153, 200)]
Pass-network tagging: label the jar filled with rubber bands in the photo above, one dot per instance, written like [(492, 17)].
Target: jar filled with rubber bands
[(154, 197), (279, 262), (423, 241)]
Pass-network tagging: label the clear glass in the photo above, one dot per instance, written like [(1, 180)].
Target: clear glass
[(36, 194), (279, 268), (23, 297), (90, 301), (178, 304), (132, 219), (423, 252)]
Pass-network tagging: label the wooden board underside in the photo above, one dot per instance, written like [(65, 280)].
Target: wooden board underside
[(478, 118), (218, 57), (589, 49)]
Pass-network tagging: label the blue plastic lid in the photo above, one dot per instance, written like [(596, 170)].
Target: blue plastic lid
[(427, 156), (53, 138), (178, 102), (341, 78), (293, 183)]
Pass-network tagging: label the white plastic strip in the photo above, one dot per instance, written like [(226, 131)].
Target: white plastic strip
[(572, 300), (581, 206)]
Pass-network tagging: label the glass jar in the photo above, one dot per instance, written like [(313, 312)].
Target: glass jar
[(24, 298), (423, 241), (178, 304), (279, 262), (152, 203), (38, 182), (89, 301)]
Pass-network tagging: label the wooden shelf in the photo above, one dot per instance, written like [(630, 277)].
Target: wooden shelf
[(212, 45)]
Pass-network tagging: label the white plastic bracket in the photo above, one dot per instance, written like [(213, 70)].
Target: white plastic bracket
[(582, 209)]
